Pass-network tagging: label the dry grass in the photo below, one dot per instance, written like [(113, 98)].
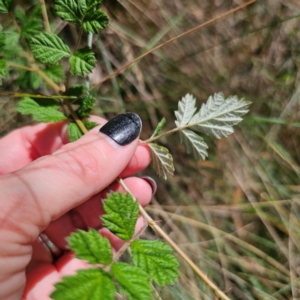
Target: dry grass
[(237, 214)]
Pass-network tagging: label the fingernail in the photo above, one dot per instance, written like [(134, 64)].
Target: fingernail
[(152, 183), (123, 129)]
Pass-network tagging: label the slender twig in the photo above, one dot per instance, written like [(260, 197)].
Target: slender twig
[(14, 65), (20, 95), (45, 16), (171, 40), (158, 230)]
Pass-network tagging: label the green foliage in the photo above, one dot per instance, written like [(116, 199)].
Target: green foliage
[(5, 5), (2, 39), (83, 61), (91, 284), (74, 131), (28, 79), (55, 73), (49, 48), (12, 46), (157, 259), (121, 215), (82, 12), (133, 281), (3, 68), (44, 110), (31, 25), (86, 105), (162, 160), (159, 127), (91, 246)]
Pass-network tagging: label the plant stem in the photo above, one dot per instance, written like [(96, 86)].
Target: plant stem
[(12, 64), (20, 95), (45, 16), (158, 230), (171, 40)]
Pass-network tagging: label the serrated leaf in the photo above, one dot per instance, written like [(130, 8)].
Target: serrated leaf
[(162, 160), (82, 61), (157, 259), (90, 246), (159, 127), (86, 105), (49, 48), (133, 282), (55, 73), (186, 109), (121, 214), (70, 10), (193, 143), (12, 46), (76, 90), (74, 132), (5, 5), (94, 21), (91, 284), (3, 68), (31, 25), (44, 110), (29, 79), (218, 115)]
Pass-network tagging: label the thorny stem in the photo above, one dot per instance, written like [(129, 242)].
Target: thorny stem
[(171, 40), (158, 230)]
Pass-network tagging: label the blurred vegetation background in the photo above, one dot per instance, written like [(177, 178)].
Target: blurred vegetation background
[(237, 214)]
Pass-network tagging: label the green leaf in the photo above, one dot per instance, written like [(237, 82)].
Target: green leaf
[(2, 39), (186, 110), (3, 68), (29, 79), (91, 284), (162, 160), (94, 21), (12, 46), (121, 215), (43, 110), (86, 105), (193, 143), (70, 10), (74, 132), (159, 127), (133, 281), (76, 90), (55, 73), (5, 5), (82, 61), (156, 259), (29, 26), (91, 246), (89, 124), (49, 48)]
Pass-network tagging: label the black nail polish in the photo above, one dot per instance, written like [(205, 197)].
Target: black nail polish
[(123, 129)]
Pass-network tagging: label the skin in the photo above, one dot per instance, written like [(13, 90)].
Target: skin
[(50, 186)]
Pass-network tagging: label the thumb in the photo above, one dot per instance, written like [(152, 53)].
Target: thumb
[(52, 185)]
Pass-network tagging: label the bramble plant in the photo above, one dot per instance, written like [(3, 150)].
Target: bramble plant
[(39, 58)]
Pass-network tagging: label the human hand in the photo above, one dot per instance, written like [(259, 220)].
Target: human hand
[(54, 187)]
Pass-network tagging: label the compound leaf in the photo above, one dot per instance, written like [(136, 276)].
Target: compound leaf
[(218, 115), (82, 61), (156, 258), (94, 21), (194, 144), (74, 132), (49, 48), (86, 105), (70, 10), (121, 214), (92, 284), (133, 282), (5, 5), (162, 160), (44, 110), (90, 246)]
